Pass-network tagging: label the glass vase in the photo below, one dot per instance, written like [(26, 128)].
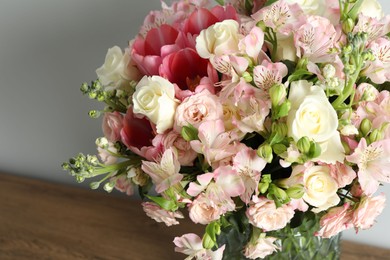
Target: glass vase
[(296, 241)]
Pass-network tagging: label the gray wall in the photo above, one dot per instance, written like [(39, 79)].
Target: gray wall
[(47, 49)]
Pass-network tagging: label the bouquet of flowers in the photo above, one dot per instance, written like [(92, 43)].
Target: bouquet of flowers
[(256, 117)]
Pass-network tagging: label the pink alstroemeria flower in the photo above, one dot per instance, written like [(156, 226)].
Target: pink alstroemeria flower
[(374, 164), (191, 245), (249, 166), (165, 173), (214, 143)]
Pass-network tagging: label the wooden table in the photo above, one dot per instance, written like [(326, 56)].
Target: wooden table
[(41, 220)]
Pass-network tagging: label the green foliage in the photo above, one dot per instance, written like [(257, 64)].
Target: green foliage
[(166, 204)]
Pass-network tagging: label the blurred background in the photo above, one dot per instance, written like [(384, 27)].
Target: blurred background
[(47, 49)]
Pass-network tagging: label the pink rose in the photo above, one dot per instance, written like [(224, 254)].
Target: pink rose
[(368, 210), (198, 108), (186, 155), (112, 126), (335, 221), (202, 210), (155, 212), (264, 214)]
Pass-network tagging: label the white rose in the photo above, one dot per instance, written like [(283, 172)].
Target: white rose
[(219, 39), (155, 98), (113, 71), (320, 188), (313, 116), (371, 8)]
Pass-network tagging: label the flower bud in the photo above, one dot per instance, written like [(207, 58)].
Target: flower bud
[(247, 76), (348, 25), (315, 150), (280, 128), (303, 145), (279, 148), (189, 133), (265, 152), (277, 94), (365, 126), (109, 186), (375, 136), (296, 191), (329, 71)]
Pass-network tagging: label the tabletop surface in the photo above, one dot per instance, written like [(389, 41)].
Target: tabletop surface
[(42, 220)]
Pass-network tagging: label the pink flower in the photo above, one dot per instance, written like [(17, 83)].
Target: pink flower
[(185, 68), (148, 52), (378, 70), (198, 108), (342, 173), (165, 173), (112, 125), (281, 17), (267, 74), (373, 162), (186, 155), (203, 210), (155, 212), (253, 42), (249, 166), (261, 248), (264, 214), (214, 143), (368, 210), (124, 184), (191, 245), (314, 39), (335, 221)]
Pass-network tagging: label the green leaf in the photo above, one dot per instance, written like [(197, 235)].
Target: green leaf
[(354, 12), (163, 203), (220, 2), (210, 237)]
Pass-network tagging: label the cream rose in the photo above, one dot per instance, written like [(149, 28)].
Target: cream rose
[(155, 98), (219, 39), (320, 188), (117, 69), (313, 116)]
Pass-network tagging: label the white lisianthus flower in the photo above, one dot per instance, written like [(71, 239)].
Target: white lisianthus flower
[(312, 115), (155, 98), (320, 188), (219, 39)]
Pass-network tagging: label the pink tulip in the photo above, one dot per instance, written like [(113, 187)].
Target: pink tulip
[(147, 53)]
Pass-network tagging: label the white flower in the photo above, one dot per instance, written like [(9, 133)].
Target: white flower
[(155, 98), (117, 68), (313, 116), (219, 39), (320, 188), (371, 8)]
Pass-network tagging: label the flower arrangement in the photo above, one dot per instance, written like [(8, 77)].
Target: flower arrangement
[(254, 115)]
